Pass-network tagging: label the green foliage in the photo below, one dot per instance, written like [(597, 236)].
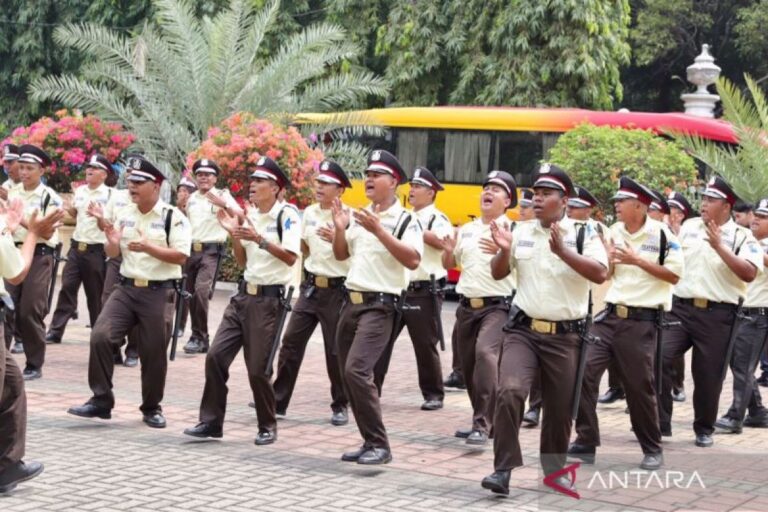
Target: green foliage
[(742, 166), (181, 74), (596, 156), (497, 52)]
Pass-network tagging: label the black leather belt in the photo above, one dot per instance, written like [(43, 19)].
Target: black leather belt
[(84, 247), (548, 327), (424, 285), (270, 290), (145, 283), (755, 311), (704, 303), (40, 249), (371, 297), (311, 279), (481, 302), (631, 312), (205, 246)]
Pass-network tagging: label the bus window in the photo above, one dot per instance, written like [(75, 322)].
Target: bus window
[(468, 156), (519, 153)]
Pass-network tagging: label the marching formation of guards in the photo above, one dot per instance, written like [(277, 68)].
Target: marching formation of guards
[(524, 329)]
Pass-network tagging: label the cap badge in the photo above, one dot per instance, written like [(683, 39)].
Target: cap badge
[(262, 161), (493, 174), (325, 166), (417, 174), (545, 168), (134, 163), (376, 155), (712, 181), (204, 162)]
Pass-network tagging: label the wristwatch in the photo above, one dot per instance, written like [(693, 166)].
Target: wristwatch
[(263, 244)]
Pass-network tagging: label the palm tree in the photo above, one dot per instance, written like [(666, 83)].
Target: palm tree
[(175, 78), (744, 167)]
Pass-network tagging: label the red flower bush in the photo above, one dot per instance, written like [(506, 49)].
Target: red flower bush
[(70, 139), (241, 139)]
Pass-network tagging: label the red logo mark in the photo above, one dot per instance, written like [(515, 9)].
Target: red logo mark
[(549, 480)]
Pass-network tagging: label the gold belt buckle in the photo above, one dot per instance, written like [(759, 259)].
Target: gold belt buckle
[(141, 283), (701, 303), (197, 246), (355, 297), (251, 289), (622, 311), (82, 246), (321, 281), (543, 327), (476, 303)]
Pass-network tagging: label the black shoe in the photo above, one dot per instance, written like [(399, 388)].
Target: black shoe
[(17, 348), (204, 430), (652, 461), (758, 421), (477, 437), (498, 482), (462, 433), (88, 410), (265, 437), (584, 453), (704, 440), (131, 361), (455, 381), (432, 405), (32, 373), (17, 473), (354, 455), (763, 380), (678, 395), (118, 357), (374, 456), (52, 338), (728, 424), (338, 418), (611, 396), (154, 420), (252, 405), (196, 346), (531, 417)]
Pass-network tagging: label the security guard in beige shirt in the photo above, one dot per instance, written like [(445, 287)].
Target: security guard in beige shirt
[(425, 304), (555, 260), (15, 264), (31, 297), (153, 238), (321, 298), (383, 242), (720, 259), (86, 259), (209, 243), (484, 303), (645, 262), (11, 168), (267, 245)]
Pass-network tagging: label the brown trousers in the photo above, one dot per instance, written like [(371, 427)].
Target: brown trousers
[(678, 373), (631, 346), (455, 357), (479, 338), (422, 328), (111, 276), (9, 323), (555, 358), (13, 409), (249, 322), (362, 335), (706, 331), (148, 311), (88, 268), (200, 269), (323, 307), (31, 301)]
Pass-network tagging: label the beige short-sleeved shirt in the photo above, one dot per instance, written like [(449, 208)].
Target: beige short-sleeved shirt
[(11, 261), (476, 279), (140, 265), (372, 267), (547, 287), (260, 266), (757, 290), (35, 200), (432, 219), (320, 260), (87, 229), (119, 199), (633, 286), (202, 216), (706, 275)]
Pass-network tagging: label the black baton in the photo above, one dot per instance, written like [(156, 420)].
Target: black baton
[(285, 307), (182, 294), (732, 338), (436, 306), (56, 260)]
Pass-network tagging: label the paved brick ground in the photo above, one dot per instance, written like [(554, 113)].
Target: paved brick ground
[(123, 465)]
